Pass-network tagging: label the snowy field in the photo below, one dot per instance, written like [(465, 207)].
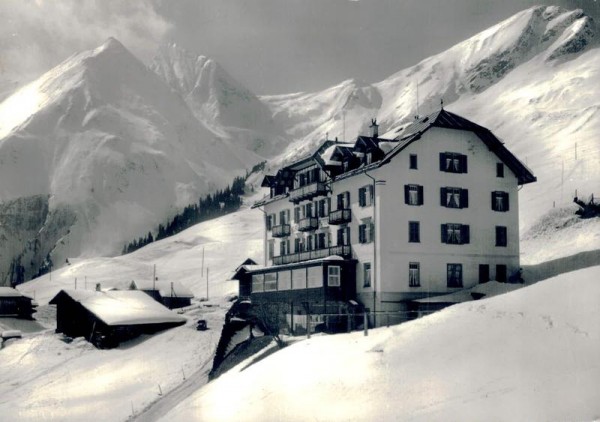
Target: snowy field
[(529, 355), (497, 366)]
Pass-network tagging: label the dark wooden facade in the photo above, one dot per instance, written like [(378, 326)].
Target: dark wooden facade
[(13, 303)]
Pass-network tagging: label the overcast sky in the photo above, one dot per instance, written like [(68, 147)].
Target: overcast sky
[(271, 46)]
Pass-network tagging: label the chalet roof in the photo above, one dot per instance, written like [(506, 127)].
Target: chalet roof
[(445, 119), (268, 181), (123, 307), (10, 292)]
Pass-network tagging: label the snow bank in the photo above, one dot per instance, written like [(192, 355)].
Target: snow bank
[(527, 355)]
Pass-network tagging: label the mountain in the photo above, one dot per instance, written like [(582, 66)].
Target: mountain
[(96, 152), (531, 79), (219, 101)]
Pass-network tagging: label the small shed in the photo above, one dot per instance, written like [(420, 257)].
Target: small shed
[(14, 303), (108, 318), (171, 294)]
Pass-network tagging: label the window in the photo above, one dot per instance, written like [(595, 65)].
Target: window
[(308, 210), (322, 208), (258, 284), (321, 241), (413, 161), (343, 201), (501, 273), (284, 279), (484, 273), (284, 247), (413, 194), (297, 215), (365, 232), (414, 232), (500, 201), (298, 244), (501, 236), (454, 277), (367, 274), (452, 162), (284, 217), (455, 234), (270, 221), (271, 248), (454, 197), (499, 170), (299, 278), (314, 277), (309, 243), (333, 276), (270, 282), (343, 236), (414, 274), (365, 196)]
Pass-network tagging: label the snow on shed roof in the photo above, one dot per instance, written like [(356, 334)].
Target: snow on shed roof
[(123, 307), (10, 292)]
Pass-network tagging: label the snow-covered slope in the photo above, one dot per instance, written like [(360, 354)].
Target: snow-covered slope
[(219, 101), (527, 355), (531, 79), (106, 141)]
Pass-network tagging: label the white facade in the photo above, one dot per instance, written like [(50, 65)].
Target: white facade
[(461, 240)]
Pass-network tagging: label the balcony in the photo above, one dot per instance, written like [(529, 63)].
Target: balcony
[(308, 224), (340, 217), (282, 230), (307, 192), (343, 251)]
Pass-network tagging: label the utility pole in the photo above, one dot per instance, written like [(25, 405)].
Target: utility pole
[(207, 283), (154, 278), (202, 270)]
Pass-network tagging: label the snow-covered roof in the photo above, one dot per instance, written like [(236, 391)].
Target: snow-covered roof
[(122, 307), (10, 292)]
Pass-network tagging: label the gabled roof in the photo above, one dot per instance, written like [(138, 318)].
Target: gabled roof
[(165, 288), (448, 120), (122, 307), (10, 292)]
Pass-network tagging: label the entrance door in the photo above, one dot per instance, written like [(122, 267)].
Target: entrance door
[(501, 273), (484, 273)]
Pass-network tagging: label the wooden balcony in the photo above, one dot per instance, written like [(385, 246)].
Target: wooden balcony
[(282, 230), (343, 251), (308, 192), (340, 217), (308, 224)]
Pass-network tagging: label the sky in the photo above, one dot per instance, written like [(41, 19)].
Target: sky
[(271, 46)]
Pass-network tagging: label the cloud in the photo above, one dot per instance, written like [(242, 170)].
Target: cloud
[(37, 35)]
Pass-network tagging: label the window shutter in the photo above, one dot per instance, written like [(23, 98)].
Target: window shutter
[(463, 163), (494, 201), (347, 236), (282, 248), (371, 194), (443, 197), (347, 199), (371, 232), (406, 194), (442, 161), (296, 215), (464, 198), (506, 204), (361, 233), (340, 201), (465, 234), (444, 233), (340, 237), (420, 189), (328, 206), (361, 197)]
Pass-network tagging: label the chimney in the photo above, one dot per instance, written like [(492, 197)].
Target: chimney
[(374, 128)]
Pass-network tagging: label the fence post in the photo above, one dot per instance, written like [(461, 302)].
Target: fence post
[(387, 319), (366, 323), (307, 325)]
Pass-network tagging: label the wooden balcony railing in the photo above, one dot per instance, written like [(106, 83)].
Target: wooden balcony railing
[(340, 216), (281, 230), (308, 224), (344, 251), (308, 192)]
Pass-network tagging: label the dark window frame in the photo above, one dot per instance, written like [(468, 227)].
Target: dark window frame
[(499, 169), (455, 234), (500, 201), (454, 275), (367, 269), (501, 236), (414, 268), (414, 232), (446, 201), (408, 198), (413, 162), (453, 162)]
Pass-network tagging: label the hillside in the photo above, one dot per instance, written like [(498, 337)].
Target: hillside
[(526, 355)]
